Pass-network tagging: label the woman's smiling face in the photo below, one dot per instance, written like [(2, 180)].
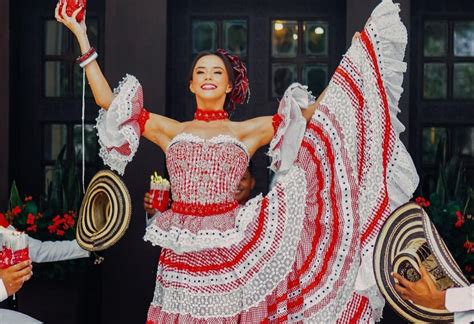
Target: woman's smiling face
[(210, 81)]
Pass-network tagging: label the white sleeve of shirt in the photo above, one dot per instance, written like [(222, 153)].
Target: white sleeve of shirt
[(3, 291), (49, 251), (460, 301)]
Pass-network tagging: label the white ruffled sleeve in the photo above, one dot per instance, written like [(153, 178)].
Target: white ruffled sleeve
[(118, 128), (389, 34), (290, 126)]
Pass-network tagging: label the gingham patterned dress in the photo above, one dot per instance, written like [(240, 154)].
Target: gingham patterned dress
[(303, 252)]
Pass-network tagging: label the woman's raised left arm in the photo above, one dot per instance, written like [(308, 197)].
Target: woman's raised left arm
[(309, 111)]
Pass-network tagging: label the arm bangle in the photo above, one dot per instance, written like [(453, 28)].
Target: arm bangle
[(93, 57), (86, 55)]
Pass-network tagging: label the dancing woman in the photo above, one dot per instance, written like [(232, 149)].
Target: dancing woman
[(304, 251)]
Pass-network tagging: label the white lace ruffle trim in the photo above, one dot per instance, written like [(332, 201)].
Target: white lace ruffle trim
[(389, 37), (112, 131), (221, 138), (182, 241), (365, 283)]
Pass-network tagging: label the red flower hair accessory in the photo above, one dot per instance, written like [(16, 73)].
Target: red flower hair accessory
[(240, 91)]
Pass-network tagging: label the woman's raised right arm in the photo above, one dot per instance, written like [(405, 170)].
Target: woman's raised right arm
[(101, 90), (123, 118)]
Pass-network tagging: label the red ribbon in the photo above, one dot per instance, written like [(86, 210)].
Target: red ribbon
[(240, 91)]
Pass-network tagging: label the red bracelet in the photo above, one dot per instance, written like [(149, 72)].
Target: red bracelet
[(142, 119), (276, 121), (85, 56)]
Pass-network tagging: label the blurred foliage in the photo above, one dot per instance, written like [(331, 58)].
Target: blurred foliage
[(451, 208), (52, 218)]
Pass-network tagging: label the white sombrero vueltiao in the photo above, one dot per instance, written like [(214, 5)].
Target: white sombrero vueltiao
[(105, 212), (407, 239)]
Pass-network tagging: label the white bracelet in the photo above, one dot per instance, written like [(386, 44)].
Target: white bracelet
[(93, 57)]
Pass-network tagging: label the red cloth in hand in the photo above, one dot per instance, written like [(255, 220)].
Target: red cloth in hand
[(73, 5)]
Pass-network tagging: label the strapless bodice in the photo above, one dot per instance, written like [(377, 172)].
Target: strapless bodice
[(205, 171)]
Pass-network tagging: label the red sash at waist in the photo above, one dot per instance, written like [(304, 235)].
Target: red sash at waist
[(195, 209)]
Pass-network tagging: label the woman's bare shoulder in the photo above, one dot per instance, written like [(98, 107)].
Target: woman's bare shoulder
[(251, 123), (251, 127)]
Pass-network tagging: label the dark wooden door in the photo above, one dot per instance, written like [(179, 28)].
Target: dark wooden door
[(46, 91), (442, 105)]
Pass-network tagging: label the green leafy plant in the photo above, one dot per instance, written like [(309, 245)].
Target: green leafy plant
[(450, 207)]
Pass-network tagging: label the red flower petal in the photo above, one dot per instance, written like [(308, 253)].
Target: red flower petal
[(3, 221)]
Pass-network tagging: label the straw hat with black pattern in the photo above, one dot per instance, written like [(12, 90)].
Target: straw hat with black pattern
[(105, 212), (407, 239)]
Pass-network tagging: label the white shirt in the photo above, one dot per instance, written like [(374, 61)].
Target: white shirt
[(460, 301), (47, 252), (11, 317)]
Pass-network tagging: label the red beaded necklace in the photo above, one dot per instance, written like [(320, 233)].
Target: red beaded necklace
[(210, 115)]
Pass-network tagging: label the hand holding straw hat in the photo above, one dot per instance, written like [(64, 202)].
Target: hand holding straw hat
[(410, 247)]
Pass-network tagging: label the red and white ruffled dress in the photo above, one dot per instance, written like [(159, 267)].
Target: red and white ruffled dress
[(304, 251)]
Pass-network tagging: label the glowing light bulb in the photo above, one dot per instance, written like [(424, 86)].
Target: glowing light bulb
[(295, 37), (319, 30), (278, 26)]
